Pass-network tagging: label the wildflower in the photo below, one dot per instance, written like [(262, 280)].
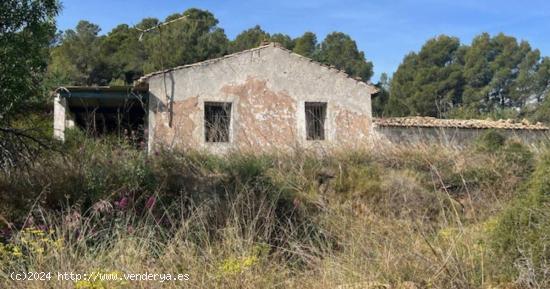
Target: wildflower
[(249, 261), (123, 203), (150, 202), (447, 233), (58, 243), (72, 220), (83, 284), (234, 265), (16, 251), (102, 206)]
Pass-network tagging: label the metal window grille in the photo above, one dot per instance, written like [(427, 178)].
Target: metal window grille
[(316, 113), (217, 119)]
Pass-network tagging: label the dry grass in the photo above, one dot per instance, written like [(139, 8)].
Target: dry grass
[(398, 218)]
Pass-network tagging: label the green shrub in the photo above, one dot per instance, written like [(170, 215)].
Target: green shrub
[(518, 157), (523, 230), (490, 141)]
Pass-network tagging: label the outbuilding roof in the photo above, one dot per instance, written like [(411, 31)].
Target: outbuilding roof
[(82, 96), (433, 122)]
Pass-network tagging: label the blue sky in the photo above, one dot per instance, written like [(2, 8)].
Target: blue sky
[(384, 30)]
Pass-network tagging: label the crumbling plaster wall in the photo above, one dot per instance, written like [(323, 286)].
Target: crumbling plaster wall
[(267, 88), (62, 117)]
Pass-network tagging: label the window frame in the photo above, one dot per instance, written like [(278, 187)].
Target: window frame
[(218, 138), (319, 130)]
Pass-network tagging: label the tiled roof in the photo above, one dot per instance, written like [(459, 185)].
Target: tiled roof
[(419, 121)]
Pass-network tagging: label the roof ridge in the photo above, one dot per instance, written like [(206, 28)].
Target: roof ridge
[(271, 44), (331, 67), (148, 75)]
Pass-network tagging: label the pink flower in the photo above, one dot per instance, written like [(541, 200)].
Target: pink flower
[(123, 203), (150, 202)]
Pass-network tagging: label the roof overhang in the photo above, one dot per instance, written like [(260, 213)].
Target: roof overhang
[(105, 96)]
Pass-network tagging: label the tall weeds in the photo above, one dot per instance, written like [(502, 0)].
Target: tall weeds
[(400, 217)]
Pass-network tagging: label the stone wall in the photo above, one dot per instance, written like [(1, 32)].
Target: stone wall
[(458, 137), (268, 87)]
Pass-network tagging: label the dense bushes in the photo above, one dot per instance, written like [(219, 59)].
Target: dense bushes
[(417, 214), (521, 237), (417, 183)]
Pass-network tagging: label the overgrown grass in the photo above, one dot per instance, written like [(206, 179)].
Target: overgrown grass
[(399, 217)]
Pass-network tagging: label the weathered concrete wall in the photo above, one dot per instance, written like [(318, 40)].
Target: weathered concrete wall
[(267, 87), (458, 137), (62, 117), (59, 116)]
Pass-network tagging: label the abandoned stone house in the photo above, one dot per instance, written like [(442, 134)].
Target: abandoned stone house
[(258, 99)]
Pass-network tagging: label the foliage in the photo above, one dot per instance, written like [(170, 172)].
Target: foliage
[(492, 77), (521, 235), (124, 54), (26, 30), (491, 141), (194, 38), (306, 44), (340, 50), (392, 217), (78, 57), (250, 38), (283, 39), (380, 100), (428, 83), (84, 57)]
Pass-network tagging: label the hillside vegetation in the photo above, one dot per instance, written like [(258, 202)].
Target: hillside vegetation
[(385, 217), (416, 217)]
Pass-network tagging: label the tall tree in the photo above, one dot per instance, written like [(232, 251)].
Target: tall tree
[(248, 39), (124, 54), (430, 82), (78, 56), (283, 39), (306, 44), (380, 100), (340, 50), (26, 30), (542, 80), (195, 37), (498, 72), (494, 76)]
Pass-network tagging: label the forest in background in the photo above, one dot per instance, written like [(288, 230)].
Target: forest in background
[(85, 57), (493, 77), (393, 217)]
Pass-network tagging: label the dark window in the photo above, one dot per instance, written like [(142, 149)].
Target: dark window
[(316, 113), (217, 118)]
